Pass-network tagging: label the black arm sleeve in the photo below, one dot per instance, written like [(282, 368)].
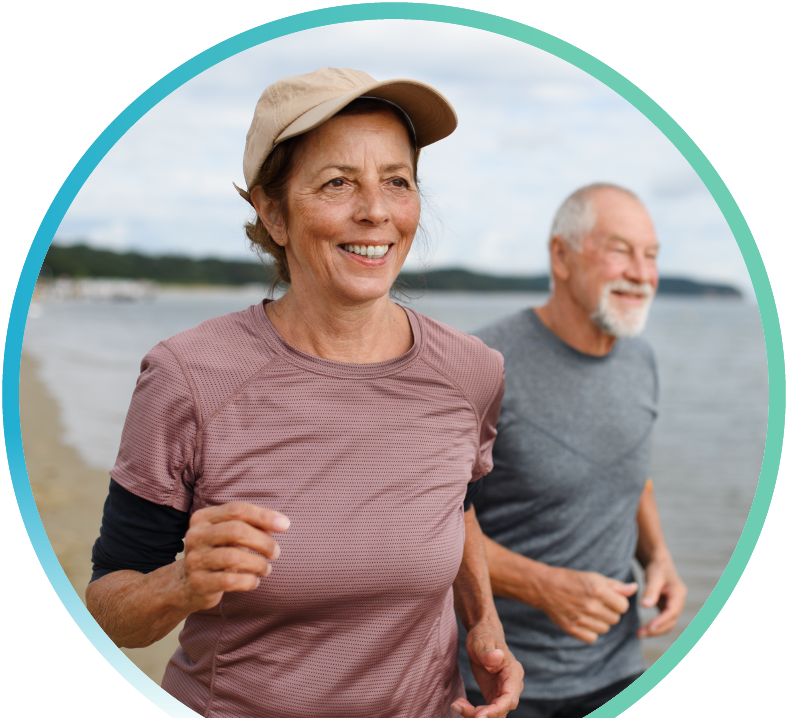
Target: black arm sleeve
[(139, 535), (136, 534), (471, 493)]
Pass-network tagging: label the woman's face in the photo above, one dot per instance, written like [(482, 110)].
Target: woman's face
[(353, 209)]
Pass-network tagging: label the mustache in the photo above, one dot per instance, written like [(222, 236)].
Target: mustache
[(624, 285)]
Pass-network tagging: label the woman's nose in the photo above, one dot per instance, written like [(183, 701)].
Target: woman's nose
[(372, 207)]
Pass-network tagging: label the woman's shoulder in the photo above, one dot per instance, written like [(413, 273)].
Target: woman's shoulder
[(468, 361), (452, 343), (217, 355), (237, 336)]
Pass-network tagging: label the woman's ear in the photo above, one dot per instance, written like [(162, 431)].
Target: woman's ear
[(268, 212)]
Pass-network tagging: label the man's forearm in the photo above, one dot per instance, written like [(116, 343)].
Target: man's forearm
[(512, 575), (651, 544), (473, 596)]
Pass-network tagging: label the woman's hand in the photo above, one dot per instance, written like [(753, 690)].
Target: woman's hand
[(497, 671), (227, 548), (137, 609)]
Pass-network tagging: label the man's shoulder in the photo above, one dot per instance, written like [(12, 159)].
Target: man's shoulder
[(637, 348), (510, 331)]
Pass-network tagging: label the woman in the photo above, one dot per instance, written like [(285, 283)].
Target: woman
[(337, 420)]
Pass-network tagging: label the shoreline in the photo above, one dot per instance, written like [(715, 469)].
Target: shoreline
[(70, 496)]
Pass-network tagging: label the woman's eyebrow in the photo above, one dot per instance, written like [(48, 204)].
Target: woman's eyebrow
[(341, 168), (396, 167), (351, 170)]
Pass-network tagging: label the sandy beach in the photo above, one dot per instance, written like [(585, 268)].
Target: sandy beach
[(70, 496)]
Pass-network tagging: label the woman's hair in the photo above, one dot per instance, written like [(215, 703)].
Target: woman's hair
[(278, 168)]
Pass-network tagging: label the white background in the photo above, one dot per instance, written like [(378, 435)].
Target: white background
[(70, 68)]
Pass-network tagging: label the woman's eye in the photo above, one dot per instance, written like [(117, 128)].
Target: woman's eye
[(399, 182), (338, 182)]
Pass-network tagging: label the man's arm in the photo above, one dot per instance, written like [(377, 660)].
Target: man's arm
[(581, 603), (664, 588), (496, 670), (585, 604)]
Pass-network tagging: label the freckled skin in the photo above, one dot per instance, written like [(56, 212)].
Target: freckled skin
[(353, 184), (371, 200)]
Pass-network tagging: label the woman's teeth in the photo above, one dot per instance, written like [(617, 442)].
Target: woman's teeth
[(370, 251)]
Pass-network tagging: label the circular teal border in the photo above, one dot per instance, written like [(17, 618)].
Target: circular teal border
[(395, 11)]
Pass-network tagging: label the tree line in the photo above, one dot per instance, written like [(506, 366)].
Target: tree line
[(80, 260)]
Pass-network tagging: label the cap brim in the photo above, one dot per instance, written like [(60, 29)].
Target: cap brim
[(431, 113)]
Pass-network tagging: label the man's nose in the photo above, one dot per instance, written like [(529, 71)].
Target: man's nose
[(641, 269)]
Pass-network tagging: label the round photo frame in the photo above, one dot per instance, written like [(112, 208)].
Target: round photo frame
[(428, 13)]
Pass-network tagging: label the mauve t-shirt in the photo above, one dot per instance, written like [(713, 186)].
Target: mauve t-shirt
[(370, 462)]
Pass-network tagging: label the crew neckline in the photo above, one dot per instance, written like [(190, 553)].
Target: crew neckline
[(330, 367), (542, 328)]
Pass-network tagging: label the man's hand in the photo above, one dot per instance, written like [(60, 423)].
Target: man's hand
[(582, 603), (497, 671), (665, 590)]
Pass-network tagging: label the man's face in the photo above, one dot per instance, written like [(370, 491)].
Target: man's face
[(615, 277)]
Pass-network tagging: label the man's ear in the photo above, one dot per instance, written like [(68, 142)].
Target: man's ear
[(559, 257), (268, 212)]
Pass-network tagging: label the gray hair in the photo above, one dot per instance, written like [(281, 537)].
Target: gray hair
[(576, 216)]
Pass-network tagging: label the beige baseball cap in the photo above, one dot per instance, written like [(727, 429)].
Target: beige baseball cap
[(295, 105)]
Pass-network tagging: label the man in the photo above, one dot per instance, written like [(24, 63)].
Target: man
[(569, 502)]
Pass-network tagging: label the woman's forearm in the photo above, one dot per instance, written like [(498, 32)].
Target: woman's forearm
[(227, 548), (499, 675), (137, 609), (473, 597)]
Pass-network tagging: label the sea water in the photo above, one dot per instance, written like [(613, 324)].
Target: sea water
[(708, 443)]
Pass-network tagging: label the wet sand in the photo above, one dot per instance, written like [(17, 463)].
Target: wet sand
[(70, 496)]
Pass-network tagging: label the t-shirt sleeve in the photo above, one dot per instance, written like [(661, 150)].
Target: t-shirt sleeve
[(136, 534), (158, 449), (488, 430)]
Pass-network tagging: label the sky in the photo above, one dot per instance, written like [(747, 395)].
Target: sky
[(532, 129)]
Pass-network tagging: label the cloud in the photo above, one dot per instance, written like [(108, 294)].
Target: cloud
[(677, 184), (532, 129)]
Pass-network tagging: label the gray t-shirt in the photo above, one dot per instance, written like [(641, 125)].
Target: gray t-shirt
[(571, 460)]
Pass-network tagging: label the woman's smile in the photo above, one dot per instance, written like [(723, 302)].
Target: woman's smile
[(354, 209), (369, 252)]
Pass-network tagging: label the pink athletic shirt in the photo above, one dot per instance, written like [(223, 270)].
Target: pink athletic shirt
[(370, 462)]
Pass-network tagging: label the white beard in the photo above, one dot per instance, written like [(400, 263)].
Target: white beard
[(620, 321)]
